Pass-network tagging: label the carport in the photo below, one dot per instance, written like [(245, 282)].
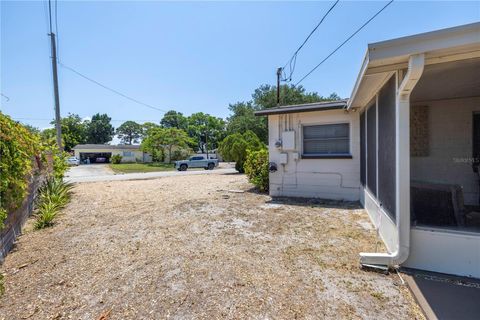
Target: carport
[(95, 157), (101, 153)]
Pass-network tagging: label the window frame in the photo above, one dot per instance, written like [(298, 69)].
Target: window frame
[(130, 154), (347, 155)]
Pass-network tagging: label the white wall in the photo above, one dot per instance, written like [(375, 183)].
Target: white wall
[(137, 154), (337, 179), (446, 252), (450, 137)]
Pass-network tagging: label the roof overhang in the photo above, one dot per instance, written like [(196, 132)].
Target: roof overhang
[(308, 107), (384, 58), (106, 147)]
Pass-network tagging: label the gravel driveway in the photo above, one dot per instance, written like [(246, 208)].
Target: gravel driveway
[(197, 247)]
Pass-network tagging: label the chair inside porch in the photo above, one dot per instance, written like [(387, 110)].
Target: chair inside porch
[(445, 147)]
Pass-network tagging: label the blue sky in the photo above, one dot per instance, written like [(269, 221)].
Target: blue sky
[(191, 56)]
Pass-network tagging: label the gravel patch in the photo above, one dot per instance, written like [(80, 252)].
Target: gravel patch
[(186, 247)]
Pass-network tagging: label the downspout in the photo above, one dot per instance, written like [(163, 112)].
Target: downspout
[(399, 256)]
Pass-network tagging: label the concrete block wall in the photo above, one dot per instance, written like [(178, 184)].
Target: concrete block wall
[(337, 179)]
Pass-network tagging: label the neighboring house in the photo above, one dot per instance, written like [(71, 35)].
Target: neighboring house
[(406, 144), (100, 153)]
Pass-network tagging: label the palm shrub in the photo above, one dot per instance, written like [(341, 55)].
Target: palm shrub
[(256, 168), (54, 195), (47, 211)]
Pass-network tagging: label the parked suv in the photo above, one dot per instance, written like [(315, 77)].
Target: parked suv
[(196, 162)]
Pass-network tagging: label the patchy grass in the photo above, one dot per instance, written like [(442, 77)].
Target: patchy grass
[(2, 284), (167, 248), (141, 167)]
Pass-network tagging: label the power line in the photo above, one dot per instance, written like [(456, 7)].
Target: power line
[(344, 42), (110, 89), (45, 11), (7, 98), (91, 120), (293, 59), (56, 29)]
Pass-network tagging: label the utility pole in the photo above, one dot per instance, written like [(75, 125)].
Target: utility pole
[(58, 125), (279, 75)]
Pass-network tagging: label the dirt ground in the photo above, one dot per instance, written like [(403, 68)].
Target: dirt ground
[(195, 247)]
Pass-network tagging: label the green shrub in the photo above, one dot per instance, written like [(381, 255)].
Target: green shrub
[(3, 217), (60, 165), (180, 154), (53, 195), (234, 148), (116, 158), (19, 148), (256, 168)]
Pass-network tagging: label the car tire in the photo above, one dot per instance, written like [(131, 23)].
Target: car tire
[(183, 167), (211, 166)]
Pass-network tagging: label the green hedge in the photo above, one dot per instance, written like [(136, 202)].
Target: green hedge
[(234, 148), (19, 149), (22, 154), (256, 168)]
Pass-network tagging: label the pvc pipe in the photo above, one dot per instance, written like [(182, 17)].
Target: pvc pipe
[(402, 169)]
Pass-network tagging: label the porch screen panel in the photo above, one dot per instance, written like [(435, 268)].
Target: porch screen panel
[(372, 149), (386, 147), (363, 169)]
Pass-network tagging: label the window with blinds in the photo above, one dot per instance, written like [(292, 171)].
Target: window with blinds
[(326, 140)]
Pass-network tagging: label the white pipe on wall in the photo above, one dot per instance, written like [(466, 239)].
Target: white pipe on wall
[(415, 69)]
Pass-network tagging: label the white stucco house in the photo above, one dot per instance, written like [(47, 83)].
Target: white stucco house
[(103, 152), (406, 144)]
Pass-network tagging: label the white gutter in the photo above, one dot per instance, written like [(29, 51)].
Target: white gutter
[(415, 70)]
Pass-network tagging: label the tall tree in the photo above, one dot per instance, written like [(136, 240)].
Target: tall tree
[(31, 128), (99, 129), (165, 139), (49, 136), (174, 119), (206, 129), (243, 118), (265, 96), (243, 113), (147, 127), (129, 132), (74, 131)]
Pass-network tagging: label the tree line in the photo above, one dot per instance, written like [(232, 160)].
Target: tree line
[(176, 132)]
